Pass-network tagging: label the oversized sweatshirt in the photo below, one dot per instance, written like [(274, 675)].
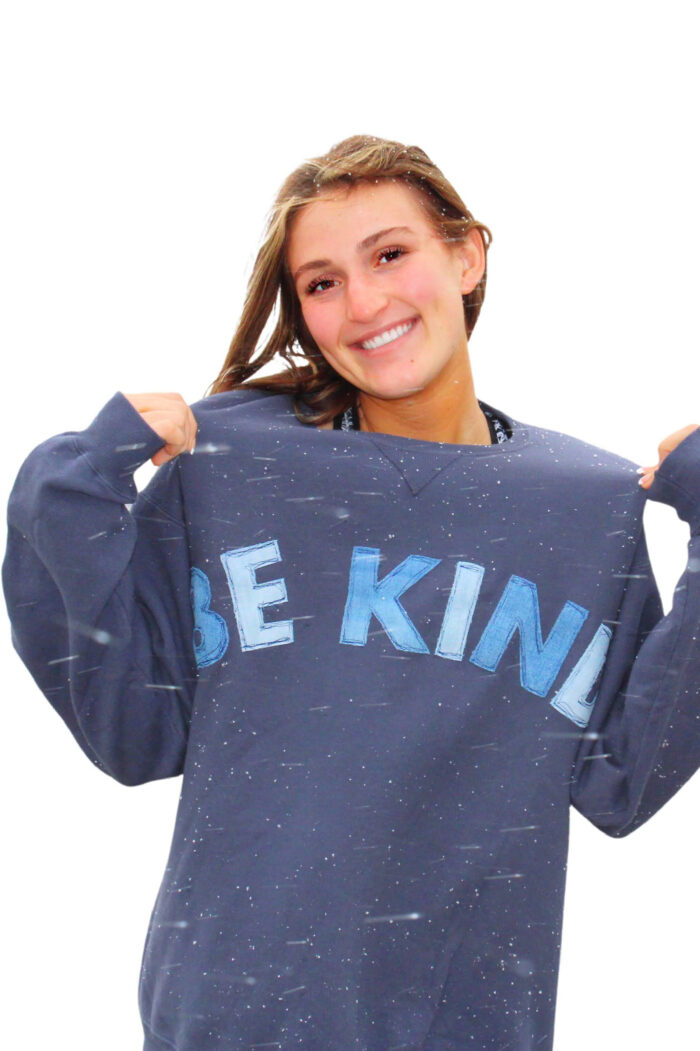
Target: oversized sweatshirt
[(385, 668)]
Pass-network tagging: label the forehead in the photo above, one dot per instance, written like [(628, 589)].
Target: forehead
[(334, 223)]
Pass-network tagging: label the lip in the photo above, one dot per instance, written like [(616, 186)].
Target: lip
[(357, 345)]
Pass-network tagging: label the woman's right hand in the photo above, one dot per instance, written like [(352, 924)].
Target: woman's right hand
[(171, 418)]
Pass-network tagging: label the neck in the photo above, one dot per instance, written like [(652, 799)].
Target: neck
[(444, 412)]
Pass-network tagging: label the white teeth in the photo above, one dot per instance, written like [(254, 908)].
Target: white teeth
[(386, 337)]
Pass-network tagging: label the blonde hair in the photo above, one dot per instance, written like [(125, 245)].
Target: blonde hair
[(320, 393)]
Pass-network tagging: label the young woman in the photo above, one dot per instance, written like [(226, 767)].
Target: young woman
[(387, 633)]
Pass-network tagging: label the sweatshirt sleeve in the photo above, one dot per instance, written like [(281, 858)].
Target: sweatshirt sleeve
[(643, 740), (98, 593)]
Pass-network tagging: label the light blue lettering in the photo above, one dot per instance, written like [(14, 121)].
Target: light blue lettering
[(459, 611), (571, 699), (367, 596), (518, 609), (250, 598), (210, 635)]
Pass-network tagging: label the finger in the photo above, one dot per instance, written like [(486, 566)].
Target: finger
[(169, 415), (188, 431), (674, 440), (149, 402), (172, 429), (162, 456), (192, 430), (154, 397), (175, 421)]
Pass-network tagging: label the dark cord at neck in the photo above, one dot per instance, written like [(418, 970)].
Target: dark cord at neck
[(499, 429)]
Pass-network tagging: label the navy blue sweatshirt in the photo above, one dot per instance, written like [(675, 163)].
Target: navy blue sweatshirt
[(385, 669)]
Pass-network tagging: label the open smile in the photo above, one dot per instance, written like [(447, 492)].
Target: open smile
[(387, 336)]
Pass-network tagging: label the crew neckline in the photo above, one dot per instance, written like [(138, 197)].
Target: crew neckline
[(519, 438)]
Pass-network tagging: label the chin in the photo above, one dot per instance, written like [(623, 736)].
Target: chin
[(389, 391), (394, 389), (404, 394)]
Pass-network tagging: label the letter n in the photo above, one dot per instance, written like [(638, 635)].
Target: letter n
[(519, 610)]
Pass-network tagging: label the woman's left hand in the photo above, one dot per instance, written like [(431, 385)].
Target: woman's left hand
[(667, 446)]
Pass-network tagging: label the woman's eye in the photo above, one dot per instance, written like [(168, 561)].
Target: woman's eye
[(311, 289), (321, 284), (393, 253)]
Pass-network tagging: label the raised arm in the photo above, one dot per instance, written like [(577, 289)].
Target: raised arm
[(98, 594), (643, 741)]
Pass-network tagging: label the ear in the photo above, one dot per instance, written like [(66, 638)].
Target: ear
[(472, 256)]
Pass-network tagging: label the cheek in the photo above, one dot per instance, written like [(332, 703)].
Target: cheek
[(436, 296), (422, 289), (320, 324)]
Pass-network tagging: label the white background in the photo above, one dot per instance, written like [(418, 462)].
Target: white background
[(143, 144)]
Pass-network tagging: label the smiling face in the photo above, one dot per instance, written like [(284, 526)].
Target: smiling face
[(380, 292)]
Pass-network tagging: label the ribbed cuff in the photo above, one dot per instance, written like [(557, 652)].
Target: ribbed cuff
[(117, 442)]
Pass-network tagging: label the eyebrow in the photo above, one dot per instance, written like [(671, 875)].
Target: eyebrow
[(317, 264)]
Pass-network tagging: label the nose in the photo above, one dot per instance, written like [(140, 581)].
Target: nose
[(363, 298)]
